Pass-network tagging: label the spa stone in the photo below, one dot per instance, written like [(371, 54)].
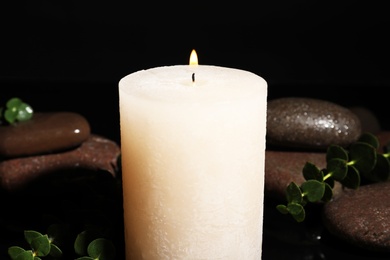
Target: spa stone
[(44, 133), (310, 123)]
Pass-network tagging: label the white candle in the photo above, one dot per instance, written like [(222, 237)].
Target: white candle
[(193, 162)]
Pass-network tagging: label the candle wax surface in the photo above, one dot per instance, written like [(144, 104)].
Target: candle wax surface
[(193, 162)]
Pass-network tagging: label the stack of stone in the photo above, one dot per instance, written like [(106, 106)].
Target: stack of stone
[(299, 130), (51, 143)]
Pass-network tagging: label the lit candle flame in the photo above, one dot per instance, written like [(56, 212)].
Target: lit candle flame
[(193, 58)]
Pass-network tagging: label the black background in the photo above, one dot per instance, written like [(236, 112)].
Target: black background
[(70, 55)]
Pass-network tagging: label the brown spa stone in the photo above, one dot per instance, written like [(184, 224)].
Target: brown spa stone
[(361, 217), (283, 167), (310, 123), (44, 133), (95, 154)]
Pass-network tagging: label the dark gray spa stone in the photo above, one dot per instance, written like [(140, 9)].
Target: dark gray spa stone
[(361, 217), (310, 123)]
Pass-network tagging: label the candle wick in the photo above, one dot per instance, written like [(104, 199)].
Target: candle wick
[(193, 77)]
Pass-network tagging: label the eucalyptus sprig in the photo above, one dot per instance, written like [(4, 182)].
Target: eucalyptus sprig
[(43, 246), (15, 110), (348, 166)]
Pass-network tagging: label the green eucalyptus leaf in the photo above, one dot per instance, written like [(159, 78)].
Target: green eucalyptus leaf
[(328, 193), (313, 189), (41, 245), (293, 193), (81, 243), (14, 251), (30, 235), (337, 168), (311, 172), (297, 211), (329, 181), (370, 139), (25, 112), (10, 115), (363, 156), (13, 103), (282, 209), (55, 251), (352, 180), (26, 255), (381, 171), (102, 249), (336, 152)]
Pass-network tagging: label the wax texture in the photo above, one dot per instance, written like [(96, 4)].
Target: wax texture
[(193, 162)]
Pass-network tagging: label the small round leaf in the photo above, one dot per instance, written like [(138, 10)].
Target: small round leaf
[(352, 180), (328, 194), (293, 193), (55, 251), (13, 103), (314, 190), (297, 211), (41, 245), (337, 168), (363, 156), (336, 152), (311, 172), (102, 249), (25, 112), (370, 139), (282, 209), (30, 235), (381, 171)]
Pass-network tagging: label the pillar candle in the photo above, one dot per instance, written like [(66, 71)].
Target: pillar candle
[(193, 151)]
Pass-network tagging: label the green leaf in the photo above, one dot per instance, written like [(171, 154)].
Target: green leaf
[(85, 258), (363, 156), (328, 193), (27, 255), (17, 253), (352, 180), (293, 193), (25, 112), (282, 209), (336, 152), (10, 115), (381, 171), (55, 251), (14, 251), (314, 190), (370, 139), (297, 211), (41, 245), (311, 172), (329, 181), (30, 235), (337, 168), (13, 103), (81, 243), (102, 249)]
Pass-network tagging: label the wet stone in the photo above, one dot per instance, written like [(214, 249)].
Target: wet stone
[(95, 154), (44, 133), (310, 123), (361, 217), (284, 167)]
